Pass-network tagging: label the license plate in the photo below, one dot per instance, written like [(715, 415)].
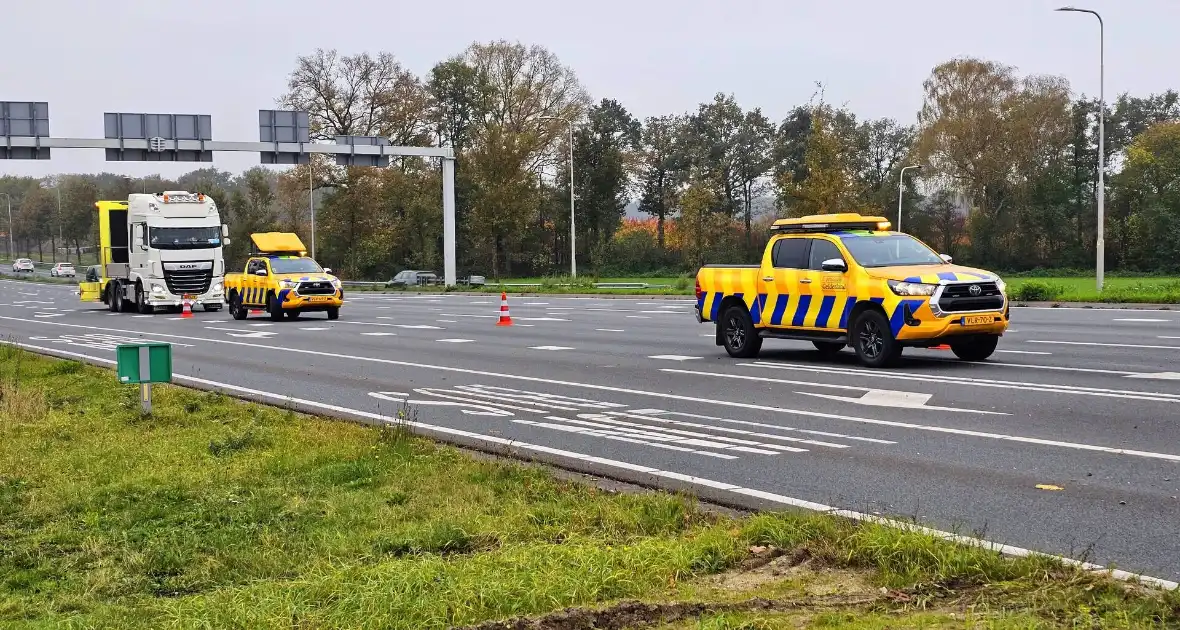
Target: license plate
[(321, 299), (978, 320)]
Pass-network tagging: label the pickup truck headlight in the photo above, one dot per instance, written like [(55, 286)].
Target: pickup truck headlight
[(336, 283), (912, 288), (288, 284), (1001, 286)]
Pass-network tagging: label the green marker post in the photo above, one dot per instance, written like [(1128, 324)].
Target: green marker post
[(144, 364)]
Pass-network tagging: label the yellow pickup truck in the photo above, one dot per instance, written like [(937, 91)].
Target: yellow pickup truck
[(845, 279), (280, 279)]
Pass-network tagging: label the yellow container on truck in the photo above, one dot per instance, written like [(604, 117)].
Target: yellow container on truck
[(845, 279), (281, 279), (158, 250)]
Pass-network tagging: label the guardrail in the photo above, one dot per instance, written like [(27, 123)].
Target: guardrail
[(530, 285)]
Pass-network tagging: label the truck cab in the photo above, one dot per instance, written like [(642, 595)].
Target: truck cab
[(847, 280), (159, 250), (281, 279)]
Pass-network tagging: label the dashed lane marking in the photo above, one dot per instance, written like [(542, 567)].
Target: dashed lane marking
[(379, 334), (454, 340), (672, 357), (550, 348)]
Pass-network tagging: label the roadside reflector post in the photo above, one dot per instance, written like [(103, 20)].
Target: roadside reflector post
[(144, 364)]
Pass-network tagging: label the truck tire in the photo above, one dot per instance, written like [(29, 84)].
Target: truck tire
[(293, 314), (141, 304), (873, 340), (976, 348), (113, 299), (738, 335), (333, 312), (275, 307)]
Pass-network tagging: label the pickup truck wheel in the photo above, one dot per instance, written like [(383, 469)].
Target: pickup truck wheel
[(828, 348), (275, 308), (333, 313), (873, 340), (738, 335), (976, 348), (292, 314), (236, 309)]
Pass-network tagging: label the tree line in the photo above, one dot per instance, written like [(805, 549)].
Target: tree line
[(1007, 177)]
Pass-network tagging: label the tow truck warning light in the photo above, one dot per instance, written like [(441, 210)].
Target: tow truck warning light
[(187, 198)]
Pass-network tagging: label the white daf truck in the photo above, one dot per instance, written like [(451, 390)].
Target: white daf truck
[(158, 250)]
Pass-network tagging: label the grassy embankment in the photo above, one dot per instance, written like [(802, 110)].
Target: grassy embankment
[(219, 513)]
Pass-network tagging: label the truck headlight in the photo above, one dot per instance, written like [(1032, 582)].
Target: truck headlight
[(157, 289), (217, 287), (1001, 286), (288, 284), (336, 282), (912, 288)]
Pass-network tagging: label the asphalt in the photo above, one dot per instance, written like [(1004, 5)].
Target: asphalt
[(1082, 402)]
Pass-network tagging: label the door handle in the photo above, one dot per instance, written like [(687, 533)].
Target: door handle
[(805, 281)]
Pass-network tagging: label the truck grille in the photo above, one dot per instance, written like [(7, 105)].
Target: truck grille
[(316, 288), (959, 297), (181, 282)]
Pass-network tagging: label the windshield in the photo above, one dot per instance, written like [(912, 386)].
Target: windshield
[(894, 250), (184, 237), (294, 265)]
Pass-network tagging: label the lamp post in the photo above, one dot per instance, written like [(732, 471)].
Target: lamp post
[(311, 204), (11, 247), (573, 236), (901, 191), (1101, 244)]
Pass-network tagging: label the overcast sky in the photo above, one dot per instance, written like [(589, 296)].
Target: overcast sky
[(229, 58)]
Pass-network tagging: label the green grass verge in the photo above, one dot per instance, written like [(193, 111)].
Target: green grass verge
[(214, 512), (1118, 289)]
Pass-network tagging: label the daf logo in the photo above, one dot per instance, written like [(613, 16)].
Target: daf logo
[(194, 267), (974, 289)]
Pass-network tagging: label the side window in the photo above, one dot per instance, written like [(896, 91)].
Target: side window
[(822, 250), (790, 253), (252, 266)]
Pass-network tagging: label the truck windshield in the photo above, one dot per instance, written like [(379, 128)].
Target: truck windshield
[(294, 265), (894, 250), (184, 237)]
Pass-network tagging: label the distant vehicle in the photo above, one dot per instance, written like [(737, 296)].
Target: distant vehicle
[(22, 264), (93, 273), (474, 281), (413, 278), (63, 270)]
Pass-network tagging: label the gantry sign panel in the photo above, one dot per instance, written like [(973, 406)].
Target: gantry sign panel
[(288, 127), (161, 131), (23, 119)]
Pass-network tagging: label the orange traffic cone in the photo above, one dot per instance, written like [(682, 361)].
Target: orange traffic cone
[(187, 310), (505, 318)]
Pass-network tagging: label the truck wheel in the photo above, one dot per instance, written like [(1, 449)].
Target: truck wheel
[(141, 304), (293, 314), (828, 348), (237, 310), (873, 340), (275, 308), (113, 296), (333, 312), (976, 348), (738, 335), (211, 308)]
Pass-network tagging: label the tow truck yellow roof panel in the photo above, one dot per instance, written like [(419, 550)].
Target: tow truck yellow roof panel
[(278, 242)]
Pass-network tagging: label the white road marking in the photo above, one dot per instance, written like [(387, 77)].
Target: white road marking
[(465, 315), (249, 334), (638, 317), (1106, 345), (447, 321), (141, 316), (952, 380), (1022, 352), (1141, 319), (610, 330), (261, 324), (672, 357), (541, 319), (534, 304), (525, 447), (379, 334), (43, 315), (419, 327), (666, 395), (1164, 376), (550, 348), (455, 340), (314, 328)]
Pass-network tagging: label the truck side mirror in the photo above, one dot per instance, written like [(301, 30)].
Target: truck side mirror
[(224, 230), (260, 272), (327, 270), (946, 259), (834, 264), (137, 236)]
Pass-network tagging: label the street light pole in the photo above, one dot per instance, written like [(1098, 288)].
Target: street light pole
[(901, 191), (11, 247), (1101, 244), (311, 204), (573, 234)]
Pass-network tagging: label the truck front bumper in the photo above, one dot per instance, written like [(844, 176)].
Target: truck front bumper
[(215, 295)]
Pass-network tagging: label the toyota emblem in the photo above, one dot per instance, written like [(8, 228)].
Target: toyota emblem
[(975, 290)]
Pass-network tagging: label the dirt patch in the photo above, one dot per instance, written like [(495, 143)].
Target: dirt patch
[(771, 565), (626, 615)]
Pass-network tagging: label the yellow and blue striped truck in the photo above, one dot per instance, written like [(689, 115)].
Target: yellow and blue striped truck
[(281, 279), (846, 279)]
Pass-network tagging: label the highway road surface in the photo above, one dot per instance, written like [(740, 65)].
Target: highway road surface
[(1066, 442)]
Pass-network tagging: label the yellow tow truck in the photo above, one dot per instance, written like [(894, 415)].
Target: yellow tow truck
[(282, 280)]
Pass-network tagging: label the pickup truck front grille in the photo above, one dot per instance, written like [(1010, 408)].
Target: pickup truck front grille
[(181, 282), (316, 288), (957, 298)]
